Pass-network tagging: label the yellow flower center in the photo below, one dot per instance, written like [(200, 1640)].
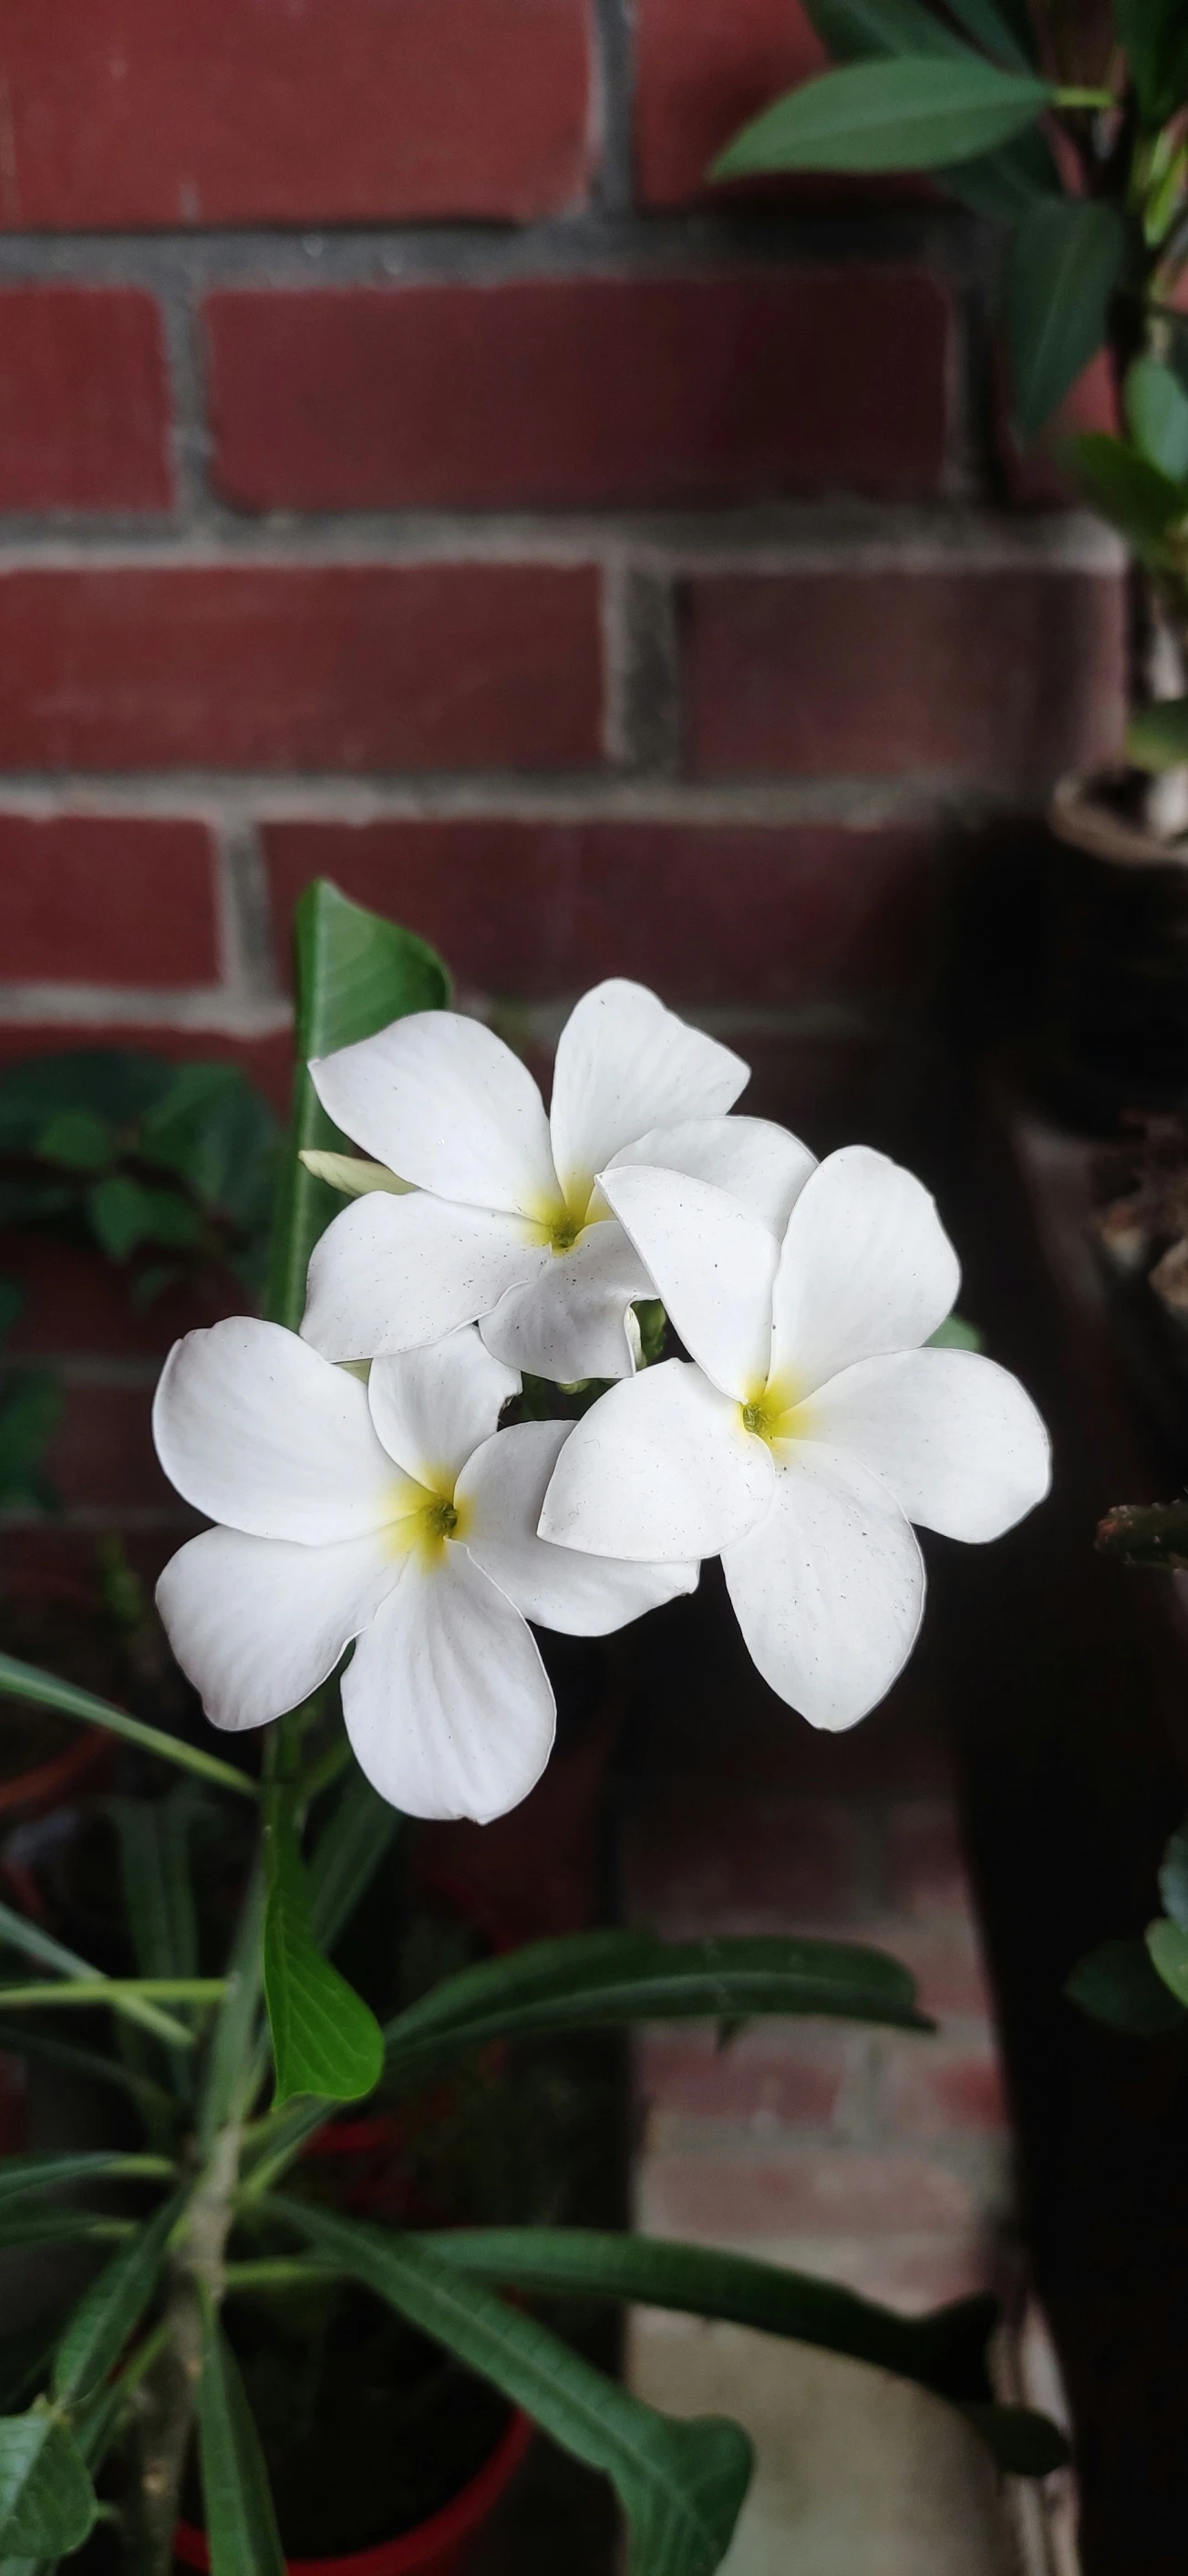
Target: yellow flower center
[(559, 1223), (424, 1519), (773, 1412)]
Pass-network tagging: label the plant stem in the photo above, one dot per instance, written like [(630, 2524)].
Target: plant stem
[(280, 2273), (196, 2267), (117, 1990)]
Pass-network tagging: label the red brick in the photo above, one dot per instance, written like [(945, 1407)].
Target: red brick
[(929, 2093), (807, 2191), (793, 2079), (78, 1302), (84, 402), (101, 899), (759, 913), (707, 1861), (925, 1863), (330, 666), (128, 113), (1034, 478), (594, 390), (1001, 676), (102, 1456), (701, 72), (946, 1961), (267, 1061)]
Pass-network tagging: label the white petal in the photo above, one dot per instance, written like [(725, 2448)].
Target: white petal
[(752, 1158), (829, 1590), (954, 1437), (625, 1063), (713, 1264), (260, 1432), (444, 1103), (389, 1274), (446, 1700), (432, 1406), (866, 1267), (257, 1623), (501, 1495), (659, 1470), (570, 1321)]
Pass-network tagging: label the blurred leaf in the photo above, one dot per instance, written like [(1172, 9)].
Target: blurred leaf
[(241, 2528), (956, 1335), (28, 1200), (1064, 264), (348, 1853), (1157, 737), (351, 1176), (681, 2484), (1003, 27), (30, 2177), (110, 2310), (125, 1214), (1155, 37), (12, 1301), (1168, 1945), (859, 31), (324, 2038), (1117, 1985), (355, 974), (30, 1409), (216, 1132), (229, 2084), (117, 1084), (47, 2502), (78, 1138), (25, 1681), (1023, 2443), (24, 2039), (913, 112), (154, 1835), (1128, 491), (30, 1942), (25, 2359), (1173, 1878), (1157, 410)]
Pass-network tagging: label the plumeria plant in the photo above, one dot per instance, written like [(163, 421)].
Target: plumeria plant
[(456, 1422)]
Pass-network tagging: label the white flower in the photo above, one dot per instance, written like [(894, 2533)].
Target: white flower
[(504, 1223), (810, 1429), (395, 1514)]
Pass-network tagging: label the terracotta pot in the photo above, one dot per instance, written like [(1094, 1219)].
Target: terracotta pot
[(1118, 1003), (436, 2548)]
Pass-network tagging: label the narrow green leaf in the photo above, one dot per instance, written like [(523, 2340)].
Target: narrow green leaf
[(154, 1850), (22, 2039), (230, 2084), (1155, 37), (325, 2040), (25, 2359), (240, 2522), (1002, 27), (1157, 410), (355, 974), (1117, 1984), (28, 2177), (360, 1833), (1173, 1878), (681, 2484), (860, 31), (1003, 184), (1064, 265), (607, 1978), (25, 1681), (1168, 1946), (47, 2501), (913, 112), (111, 2308), (17, 1933), (1132, 494), (1157, 737)]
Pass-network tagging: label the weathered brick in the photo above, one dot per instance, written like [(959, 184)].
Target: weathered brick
[(328, 666), (84, 401), (78, 1302), (702, 71), (267, 1061), (770, 2077), (771, 913), (127, 113), (931, 2093), (106, 900), (582, 390), (707, 1861), (806, 2191), (999, 676), (925, 1863)]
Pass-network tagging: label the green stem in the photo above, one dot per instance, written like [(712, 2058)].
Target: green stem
[(119, 1990), (276, 2274), (1094, 98), (24, 1681)]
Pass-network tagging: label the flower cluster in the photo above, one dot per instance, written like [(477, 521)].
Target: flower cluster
[(363, 1488)]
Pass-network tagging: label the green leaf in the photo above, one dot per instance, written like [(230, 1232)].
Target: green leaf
[(26, 1681), (681, 2484), (111, 2308), (1157, 410), (16, 1933), (1173, 1878), (30, 1411), (360, 1832), (1022, 2443), (1002, 29), (603, 1979), (1003, 184), (1156, 41), (79, 1139), (355, 974), (1157, 737), (1168, 1946), (241, 2528), (324, 2038), (1132, 494), (125, 1214), (155, 1859), (24, 2039), (1064, 265), (230, 2081), (30, 2177), (915, 112), (956, 1335), (860, 31), (215, 1132), (47, 2501), (1117, 1985), (25, 2359), (351, 1176)]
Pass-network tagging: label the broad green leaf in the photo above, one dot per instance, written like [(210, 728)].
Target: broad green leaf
[(681, 2484), (602, 1979), (1155, 36), (1003, 184), (355, 974), (360, 1832), (1065, 262), (1157, 410), (351, 1176), (111, 2308), (241, 2528), (1133, 495), (125, 1214), (17, 1933), (1173, 1878), (955, 1335), (25, 1681), (47, 2501), (1117, 1984), (79, 1139), (325, 2040), (28, 2177), (1168, 1945), (915, 112), (1157, 737)]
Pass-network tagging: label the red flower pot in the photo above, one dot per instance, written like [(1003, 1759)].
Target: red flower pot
[(436, 2548)]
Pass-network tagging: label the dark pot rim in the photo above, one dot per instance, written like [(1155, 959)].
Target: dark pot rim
[(413, 2550)]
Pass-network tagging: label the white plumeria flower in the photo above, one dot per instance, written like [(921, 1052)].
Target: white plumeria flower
[(504, 1223), (810, 1428), (395, 1514)]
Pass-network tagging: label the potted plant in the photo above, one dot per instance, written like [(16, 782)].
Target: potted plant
[(1068, 129)]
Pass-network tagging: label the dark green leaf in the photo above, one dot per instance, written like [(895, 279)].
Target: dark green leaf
[(111, 2308), (1065, 262), (1157, 410), (29, 2177), (154, 1850), (325, 2040), (17, 1933), (1157, 737), (1006, 185), (25, 1681), (1168, 1946), (1024, 2444), (115, 1083), (230, 2084), (914, 112), (349, 1851), (1173, 1878), (1156, 40), (25, 2359), (125, 1214), (30, 1411), (1130, 493), (1002, 27), (1003, 184), (355, 974), (217, 1134), (681, 2484), (240, 2523), (861, 31), (1117, 1985), (607, 1978), (24, 2039), (47, 2502), (79, 1139)]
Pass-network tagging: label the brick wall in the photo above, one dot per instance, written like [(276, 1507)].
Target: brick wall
[(409, 471)]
